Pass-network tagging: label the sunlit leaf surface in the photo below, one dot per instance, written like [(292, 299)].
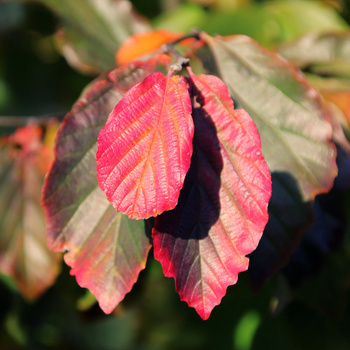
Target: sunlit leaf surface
[(222, 208), (144, 43), (144, 150)]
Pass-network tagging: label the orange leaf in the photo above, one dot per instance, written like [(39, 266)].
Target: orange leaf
[(144, 43), (340, 99)]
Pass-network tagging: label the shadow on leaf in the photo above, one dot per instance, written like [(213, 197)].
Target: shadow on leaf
[(198, 207)]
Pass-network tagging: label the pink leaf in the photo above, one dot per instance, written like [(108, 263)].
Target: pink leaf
[(144, 150), (222, 208)]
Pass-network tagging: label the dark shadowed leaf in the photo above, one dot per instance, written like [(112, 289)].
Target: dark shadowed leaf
[(331, 213), (145, 149), (93, 30), (324, 237), (79, 216), (222, 208), (295, 135), (24, 255)]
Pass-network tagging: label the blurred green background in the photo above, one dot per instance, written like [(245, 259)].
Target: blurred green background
[(36, 80)]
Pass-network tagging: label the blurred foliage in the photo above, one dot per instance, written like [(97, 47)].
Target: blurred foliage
[(267, 22), (36, 80)]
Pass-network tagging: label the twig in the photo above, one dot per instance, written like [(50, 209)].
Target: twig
[(181, 60), (16, 121)]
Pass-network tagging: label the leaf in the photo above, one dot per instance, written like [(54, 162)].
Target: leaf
[(339, 112), (119, 245), (336, 93), (222, 208), (79, 217), (93, 30), (330, 224), (341, 99), (298, 17), (326, 53), (254, 20), (325, 236), (144, 151), (270, 22), (295, 135), (141, 44), (24, 255), (182, 19)]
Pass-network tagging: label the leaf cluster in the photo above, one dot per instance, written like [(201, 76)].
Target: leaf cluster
[(171, 144)]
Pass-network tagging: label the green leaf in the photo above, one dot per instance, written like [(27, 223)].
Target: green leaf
[(273, 22), (294, 130), (93, 30), (253, 20)]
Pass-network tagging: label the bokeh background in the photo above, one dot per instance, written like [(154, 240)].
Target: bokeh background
[(305, 306)]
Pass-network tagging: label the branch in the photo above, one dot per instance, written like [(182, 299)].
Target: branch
[(16, 121), (181, 60)]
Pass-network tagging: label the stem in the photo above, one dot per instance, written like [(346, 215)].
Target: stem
[(15, 121), (181, 60)]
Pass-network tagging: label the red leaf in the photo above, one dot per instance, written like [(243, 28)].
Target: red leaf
[(222, 208), (144, 150), (76, 145), (120, 248), (89, 32), (105, 249)]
